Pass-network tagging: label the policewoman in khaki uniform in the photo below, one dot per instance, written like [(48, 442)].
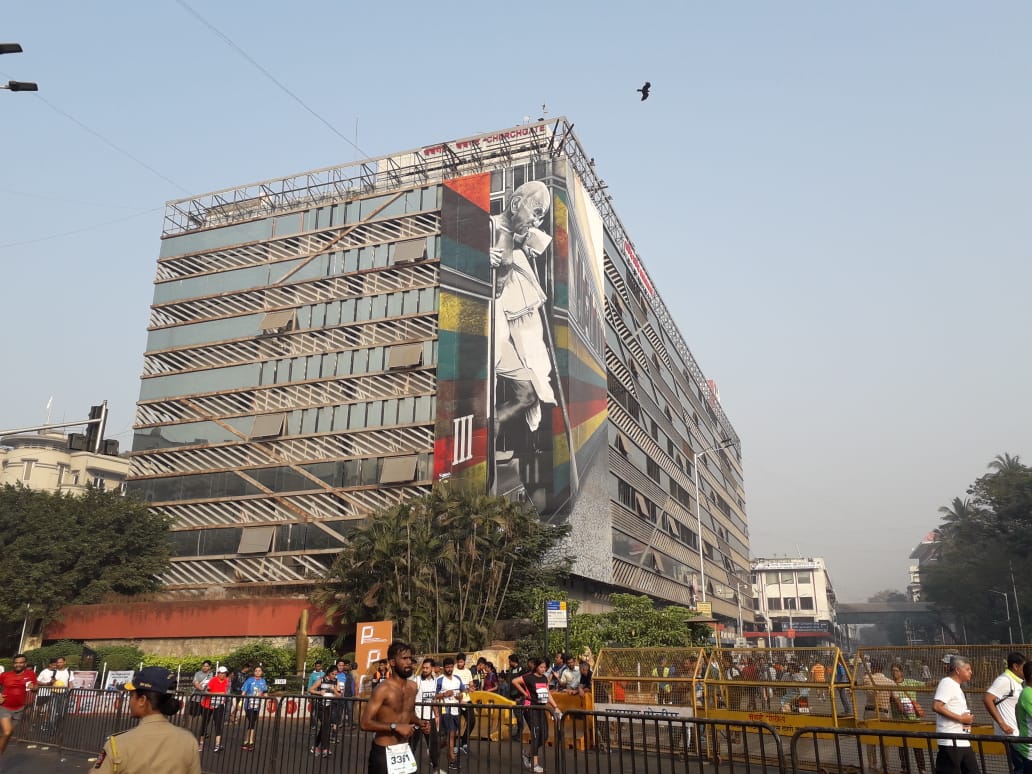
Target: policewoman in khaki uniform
[(155, 746)]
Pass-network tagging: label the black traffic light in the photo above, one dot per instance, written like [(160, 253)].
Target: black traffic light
[(95, 428)]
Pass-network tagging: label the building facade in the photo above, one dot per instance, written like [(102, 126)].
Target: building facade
[(327, 345), (794, 602), (44, 461)]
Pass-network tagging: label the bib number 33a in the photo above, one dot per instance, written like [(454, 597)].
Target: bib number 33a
[(400, 759)]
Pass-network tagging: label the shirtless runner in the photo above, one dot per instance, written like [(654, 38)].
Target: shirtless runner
[(391, 715)]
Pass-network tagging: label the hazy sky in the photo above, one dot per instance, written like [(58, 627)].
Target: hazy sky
[(833, 198)]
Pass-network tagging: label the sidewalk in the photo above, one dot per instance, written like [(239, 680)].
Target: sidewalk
[(21, 758)]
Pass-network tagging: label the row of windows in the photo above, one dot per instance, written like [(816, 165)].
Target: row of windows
[(636, 552), (416, 200), (354, 416), (648, 511), (347, 363), (801, 578), (338, 473), (786, 603)]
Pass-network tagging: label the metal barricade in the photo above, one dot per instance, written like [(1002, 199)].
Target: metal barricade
[(874, 751)]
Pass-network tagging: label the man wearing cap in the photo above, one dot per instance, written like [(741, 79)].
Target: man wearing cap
[(1001, 701), (952, 716), (155, 746)]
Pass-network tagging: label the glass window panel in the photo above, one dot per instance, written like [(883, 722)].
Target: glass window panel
[(338, 214), (390, 411), (406, 410), (308, 419), (329, 364), (313, 369), (411, 305), (376, 359), (394, 304), (297, 369), (371, 471), (293, 423), (423, 408), (380, 256), (362, 307), (344, 363), (350, 261), (215, 238), (347, 310), (374, 414), (427, 301), (211, 380), (340, 417), (356, 420), (205, 332), (288, 224), (319, 316), (352, 473), (304, 317), (360, 361), (222, 282), (192, 433), (378, 307), (333, 313), (365, 258)]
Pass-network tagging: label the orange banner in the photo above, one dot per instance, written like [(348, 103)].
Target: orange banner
[(371, 642)]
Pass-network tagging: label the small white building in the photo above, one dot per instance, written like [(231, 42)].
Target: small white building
[(794, 601), (44, 461)]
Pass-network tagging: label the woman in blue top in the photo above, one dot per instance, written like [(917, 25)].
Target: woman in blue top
[(254, 686)]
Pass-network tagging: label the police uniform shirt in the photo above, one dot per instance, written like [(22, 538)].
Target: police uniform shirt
[(155, 746)]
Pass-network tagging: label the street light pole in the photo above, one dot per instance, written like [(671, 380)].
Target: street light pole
[(1006, 608), (1017, 605), (15, 48), (698, 506)]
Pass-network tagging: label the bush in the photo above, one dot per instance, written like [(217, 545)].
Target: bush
[(119, 657), (277, 662), (67, 649)]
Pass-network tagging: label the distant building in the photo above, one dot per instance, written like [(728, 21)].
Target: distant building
[(45, 462), (926, 552), (794, 601)]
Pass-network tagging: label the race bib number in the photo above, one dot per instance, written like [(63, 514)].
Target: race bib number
[(400, 759), (542, 694)]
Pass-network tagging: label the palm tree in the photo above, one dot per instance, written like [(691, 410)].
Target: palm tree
[(1005, 463)]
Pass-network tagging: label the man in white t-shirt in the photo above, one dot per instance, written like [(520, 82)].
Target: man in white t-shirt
[(426, 695), (1001, 701), (449, 692), (468, 714), (952, 716)]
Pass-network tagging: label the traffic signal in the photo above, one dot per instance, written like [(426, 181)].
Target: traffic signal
[(95, 429)]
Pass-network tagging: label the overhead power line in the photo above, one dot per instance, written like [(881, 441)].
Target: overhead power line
[(186, 6)]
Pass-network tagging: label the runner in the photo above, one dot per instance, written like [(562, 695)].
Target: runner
[(16, 686), (391, 716), (534, 687)]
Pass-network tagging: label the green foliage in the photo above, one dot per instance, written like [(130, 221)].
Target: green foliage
[(67, 649), (277, 662), (985, 542), (325, 655), (119, 656), (634, 622), (444, 567), (63, 549)]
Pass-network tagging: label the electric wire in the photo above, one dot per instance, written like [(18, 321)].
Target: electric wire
[(81, 230), (186, 6)]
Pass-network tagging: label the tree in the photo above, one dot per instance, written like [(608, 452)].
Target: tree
[(444, 567), (634, 622), (984, 537), (62, 549)]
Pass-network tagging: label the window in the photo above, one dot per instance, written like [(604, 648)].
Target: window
[(256, 540), (624, 493), (652, 469), (99, 483), (27, 466), (280, 320), (62, 469), (410, 251), (786, 577), (622, 444), (397, 470), (405, 356), (773, 603), (790, 603), (772, 578), (268, 426), (803, 578), (644, 507), (806, 603)]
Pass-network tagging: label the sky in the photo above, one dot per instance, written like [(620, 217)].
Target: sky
[(832, 199)]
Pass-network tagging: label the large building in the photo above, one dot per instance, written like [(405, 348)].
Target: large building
[(794, 602), (47, 461), (329, 344)]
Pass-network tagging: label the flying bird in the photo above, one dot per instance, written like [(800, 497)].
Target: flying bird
[(645, 91)]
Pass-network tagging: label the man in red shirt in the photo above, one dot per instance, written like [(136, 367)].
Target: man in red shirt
[(14, 695)]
